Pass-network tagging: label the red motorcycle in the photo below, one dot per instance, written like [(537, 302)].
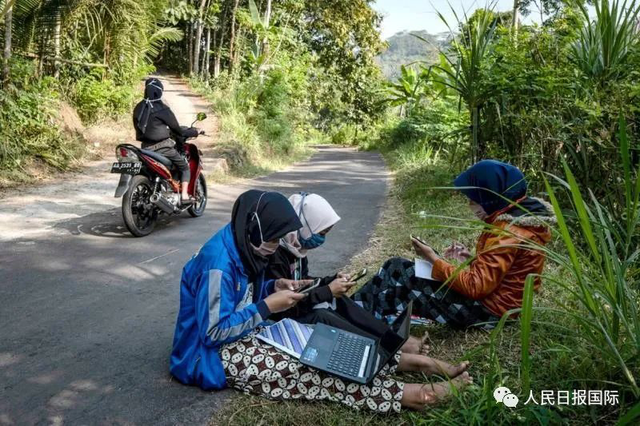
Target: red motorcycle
[(151, 184)]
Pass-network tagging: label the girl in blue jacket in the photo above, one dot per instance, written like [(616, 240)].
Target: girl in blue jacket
[(224, 298)]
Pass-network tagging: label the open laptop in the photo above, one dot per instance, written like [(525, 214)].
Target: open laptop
[(351, 356)]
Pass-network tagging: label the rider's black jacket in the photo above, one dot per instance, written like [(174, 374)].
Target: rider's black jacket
[(161, 122)]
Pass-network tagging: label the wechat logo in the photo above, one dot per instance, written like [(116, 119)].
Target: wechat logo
[(504, 395)]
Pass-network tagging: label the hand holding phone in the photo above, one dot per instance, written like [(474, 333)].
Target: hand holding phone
[(340, 286), (306, 289), (358, 275), (418, 239)]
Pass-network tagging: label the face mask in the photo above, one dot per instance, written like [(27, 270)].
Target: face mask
[(315, 241), (266, 249), (478, 211)]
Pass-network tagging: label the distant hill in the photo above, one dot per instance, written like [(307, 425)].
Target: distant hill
[(405, 48)]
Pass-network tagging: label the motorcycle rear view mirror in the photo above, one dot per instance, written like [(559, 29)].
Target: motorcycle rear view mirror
[(201, 116)]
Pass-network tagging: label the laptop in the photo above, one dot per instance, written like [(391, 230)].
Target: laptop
[(351, 356)]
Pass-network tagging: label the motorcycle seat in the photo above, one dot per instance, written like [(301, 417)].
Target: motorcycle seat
[(158, 157)]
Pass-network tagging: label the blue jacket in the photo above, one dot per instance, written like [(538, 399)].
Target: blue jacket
[(215, 309)]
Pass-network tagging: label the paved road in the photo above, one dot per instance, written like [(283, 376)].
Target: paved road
[(87, 312)]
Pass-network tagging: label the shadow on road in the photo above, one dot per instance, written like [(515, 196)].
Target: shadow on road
[(108, 224)]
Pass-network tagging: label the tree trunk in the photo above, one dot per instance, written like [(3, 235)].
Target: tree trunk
[(107, 49), (207, 55), (514, 17), (198, 41), (217, 65), (475, 144), (56, 43), (8, 25), (233, 33), (236, 50), (190, 47), (265, 42)]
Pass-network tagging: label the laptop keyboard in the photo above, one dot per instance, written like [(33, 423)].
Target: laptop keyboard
[(349, 356)]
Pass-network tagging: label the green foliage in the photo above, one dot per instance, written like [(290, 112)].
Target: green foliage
[(437, 127), (408, 89), (603, 48), (264, 119), (95, 97), (28, 128)]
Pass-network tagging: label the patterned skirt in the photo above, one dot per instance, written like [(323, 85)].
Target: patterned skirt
[(395, 285), (255, 367)]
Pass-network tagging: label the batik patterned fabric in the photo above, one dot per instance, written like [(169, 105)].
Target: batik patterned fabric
[(395, 285), (255, 367)]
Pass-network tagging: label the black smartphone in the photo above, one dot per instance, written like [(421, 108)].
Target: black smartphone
[(420, 240), (360, 274), (308, 288)]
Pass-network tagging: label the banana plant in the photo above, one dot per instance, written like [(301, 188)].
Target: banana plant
[(409, 89), (262, 27)]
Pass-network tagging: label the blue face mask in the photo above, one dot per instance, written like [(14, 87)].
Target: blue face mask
[(315, 241)]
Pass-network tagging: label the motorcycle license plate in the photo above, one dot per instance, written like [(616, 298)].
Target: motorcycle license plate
[(128, 168)]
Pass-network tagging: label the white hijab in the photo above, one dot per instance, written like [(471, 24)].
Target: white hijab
[(316, 215)]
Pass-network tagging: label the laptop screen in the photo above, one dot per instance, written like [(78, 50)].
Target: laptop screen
[(394, 338)]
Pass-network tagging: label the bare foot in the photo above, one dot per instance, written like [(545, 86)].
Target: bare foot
[(429, 366), (416, 346), (443, 390), (419, 396), (435, 366)]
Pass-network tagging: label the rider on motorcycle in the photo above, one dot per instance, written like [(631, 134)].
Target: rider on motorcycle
[(154, 121)]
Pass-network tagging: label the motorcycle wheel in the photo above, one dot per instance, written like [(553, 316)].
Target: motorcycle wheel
[(197, 209), (139, 213)]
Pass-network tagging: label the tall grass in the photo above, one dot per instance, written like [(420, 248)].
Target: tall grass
[(602, 258)]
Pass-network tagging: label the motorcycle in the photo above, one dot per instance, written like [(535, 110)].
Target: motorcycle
[(150, 184)]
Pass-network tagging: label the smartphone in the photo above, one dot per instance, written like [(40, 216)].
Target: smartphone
[(360, 274), (307, 289), (420, 240)]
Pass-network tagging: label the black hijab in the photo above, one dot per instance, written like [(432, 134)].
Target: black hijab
[(153, 89), (277, 218)]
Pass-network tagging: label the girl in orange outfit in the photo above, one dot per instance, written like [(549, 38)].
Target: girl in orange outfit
[(493, 282)]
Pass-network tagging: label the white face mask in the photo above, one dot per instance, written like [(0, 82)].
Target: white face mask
[(266, 248), (478, 210)]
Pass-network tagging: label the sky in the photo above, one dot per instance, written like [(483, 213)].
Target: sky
[(402, 15)]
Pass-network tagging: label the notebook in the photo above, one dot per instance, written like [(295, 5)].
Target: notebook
[(287, 335), (423, 269)]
